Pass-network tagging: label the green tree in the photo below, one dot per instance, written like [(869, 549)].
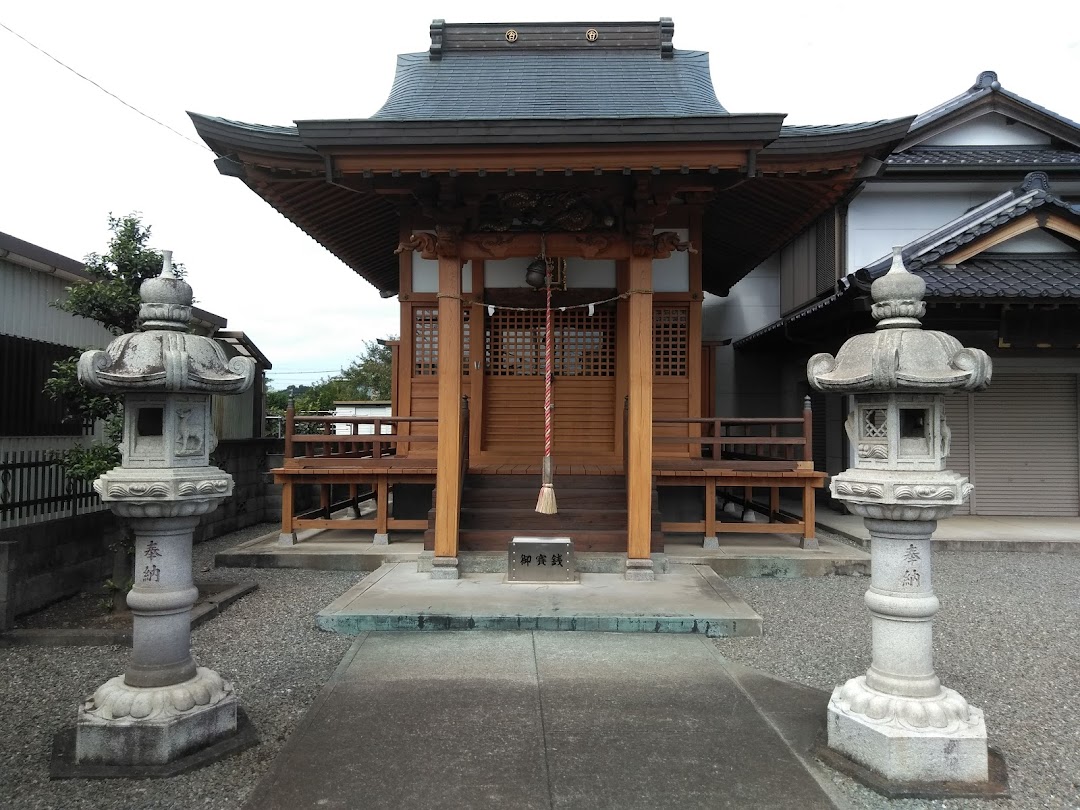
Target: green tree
[(112, 299), (369, 376)]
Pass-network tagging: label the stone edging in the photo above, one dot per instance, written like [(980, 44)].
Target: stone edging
[(219, 596)]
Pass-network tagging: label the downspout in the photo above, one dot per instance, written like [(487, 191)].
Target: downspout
[(328, 163)]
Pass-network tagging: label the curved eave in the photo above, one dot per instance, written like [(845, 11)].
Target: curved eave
[(227, 137), (875, 138)]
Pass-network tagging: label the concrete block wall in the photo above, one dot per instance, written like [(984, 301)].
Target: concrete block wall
[(43, 562), (255, 498)]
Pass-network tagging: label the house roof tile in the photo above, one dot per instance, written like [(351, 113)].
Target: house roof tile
[(984, 156), (1006, 275)]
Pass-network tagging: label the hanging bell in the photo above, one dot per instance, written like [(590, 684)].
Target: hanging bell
[(536, 273)]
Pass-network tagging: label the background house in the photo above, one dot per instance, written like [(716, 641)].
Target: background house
[(980, 194)]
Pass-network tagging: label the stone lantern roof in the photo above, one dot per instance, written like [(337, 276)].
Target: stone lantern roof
[(163, 355), (900, 355)]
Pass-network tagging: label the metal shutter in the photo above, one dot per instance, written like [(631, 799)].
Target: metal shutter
[(1026, 452), (958, 419)]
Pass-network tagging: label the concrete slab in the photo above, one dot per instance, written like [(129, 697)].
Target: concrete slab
[(596, 746), (745, 555), (1048, 535), (778, 556), (686, 599), (318, 549)]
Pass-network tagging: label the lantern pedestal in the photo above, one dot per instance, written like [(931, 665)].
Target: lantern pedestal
[(897, 719), (181, 718), (164, 706)]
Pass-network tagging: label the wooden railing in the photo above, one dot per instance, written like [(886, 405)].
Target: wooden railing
[(369, 465), (747, 438), (319, 441)]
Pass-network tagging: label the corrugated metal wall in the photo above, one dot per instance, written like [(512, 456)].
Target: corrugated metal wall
[(1026, 450), (25, 310), (1018, 442)]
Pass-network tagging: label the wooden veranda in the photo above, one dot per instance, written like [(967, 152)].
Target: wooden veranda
[(354, 464)]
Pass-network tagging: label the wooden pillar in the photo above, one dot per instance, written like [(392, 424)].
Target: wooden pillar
[(448, 478), (639, 351)]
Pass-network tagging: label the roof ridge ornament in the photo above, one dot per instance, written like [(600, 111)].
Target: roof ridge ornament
[(987, 80), (1036, 181), (438, 27)]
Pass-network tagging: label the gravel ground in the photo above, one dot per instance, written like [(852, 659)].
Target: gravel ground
[(1007, 638), (266, 643)]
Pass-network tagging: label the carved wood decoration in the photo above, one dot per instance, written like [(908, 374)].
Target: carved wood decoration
[(543, 210), (668, 242), (421, 241)]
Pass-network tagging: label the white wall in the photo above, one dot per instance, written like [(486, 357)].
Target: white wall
[(752, 304), (880, 218), (991, 129), (1038, 241)]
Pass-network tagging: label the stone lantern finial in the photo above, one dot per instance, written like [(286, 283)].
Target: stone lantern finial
[(898, 296), (166, 300)]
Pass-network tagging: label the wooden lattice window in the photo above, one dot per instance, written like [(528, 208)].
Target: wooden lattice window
[(584, 344), (426, 341), (671, 328)]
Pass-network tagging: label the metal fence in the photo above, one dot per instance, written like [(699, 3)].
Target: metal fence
[(34, 487)]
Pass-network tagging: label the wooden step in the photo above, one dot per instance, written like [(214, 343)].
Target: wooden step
[(526, 519), (527, 500), (584, 539), (578, 482)]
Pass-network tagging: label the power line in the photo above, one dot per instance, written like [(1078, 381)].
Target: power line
[(323, 371), (106, 92)]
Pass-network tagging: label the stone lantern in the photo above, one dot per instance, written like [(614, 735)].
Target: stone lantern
[(898, 720), (164, 706)]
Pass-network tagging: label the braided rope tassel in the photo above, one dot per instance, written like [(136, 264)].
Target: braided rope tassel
[(545, 503)]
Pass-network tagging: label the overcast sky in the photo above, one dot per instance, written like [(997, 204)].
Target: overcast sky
[(72, 155)]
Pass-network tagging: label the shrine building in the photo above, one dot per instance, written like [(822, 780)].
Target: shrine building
[(592, 165)]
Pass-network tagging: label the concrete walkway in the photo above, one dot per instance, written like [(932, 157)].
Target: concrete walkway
[(549, 720)]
